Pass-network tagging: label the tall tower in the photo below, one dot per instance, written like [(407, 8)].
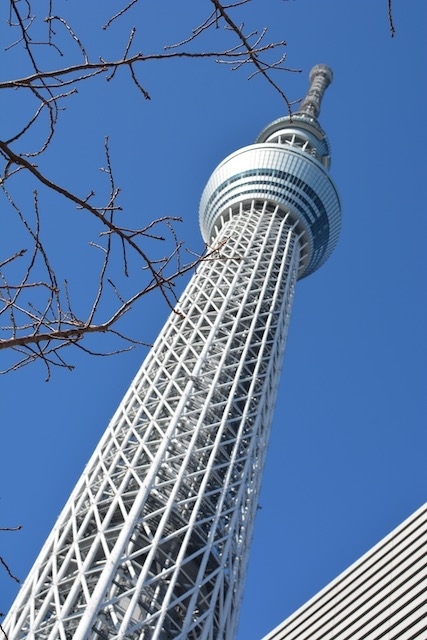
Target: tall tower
[(153, 542)]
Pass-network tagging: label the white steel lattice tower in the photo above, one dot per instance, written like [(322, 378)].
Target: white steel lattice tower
[(153, 542)]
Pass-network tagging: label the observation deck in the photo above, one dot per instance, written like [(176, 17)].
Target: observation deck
[(288, 167)]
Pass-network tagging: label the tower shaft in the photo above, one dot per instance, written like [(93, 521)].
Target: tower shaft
[(153, 542)]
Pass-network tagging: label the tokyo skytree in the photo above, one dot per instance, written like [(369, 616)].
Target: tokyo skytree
[(153, 542)]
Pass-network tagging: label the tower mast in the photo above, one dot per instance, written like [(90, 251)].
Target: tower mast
[(153, 542)]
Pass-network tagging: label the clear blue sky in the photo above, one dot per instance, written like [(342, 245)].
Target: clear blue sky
[(347, 459)]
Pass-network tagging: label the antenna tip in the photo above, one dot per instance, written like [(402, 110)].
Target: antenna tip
[(320, 78), (322, 70)]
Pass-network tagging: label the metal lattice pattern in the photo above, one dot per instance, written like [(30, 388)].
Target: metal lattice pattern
[(153, 543)]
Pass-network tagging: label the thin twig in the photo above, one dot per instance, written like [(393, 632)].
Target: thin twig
[(390, 18)]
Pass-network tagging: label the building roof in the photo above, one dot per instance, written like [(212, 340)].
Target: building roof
[(383, 595)]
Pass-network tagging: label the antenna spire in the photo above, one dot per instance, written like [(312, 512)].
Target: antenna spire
[(320, 78)]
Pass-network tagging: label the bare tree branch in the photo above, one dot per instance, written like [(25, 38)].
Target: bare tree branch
[(39, 313), (390, 18), (8, 570), (6, 566)]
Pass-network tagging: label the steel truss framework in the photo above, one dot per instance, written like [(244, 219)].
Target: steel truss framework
[(153, 541)]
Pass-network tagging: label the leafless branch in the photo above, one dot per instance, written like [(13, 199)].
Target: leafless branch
[(119, 14), (8, 570), (390, 18), (6, 566), (253, 51), (40, 314), (2, 630)]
